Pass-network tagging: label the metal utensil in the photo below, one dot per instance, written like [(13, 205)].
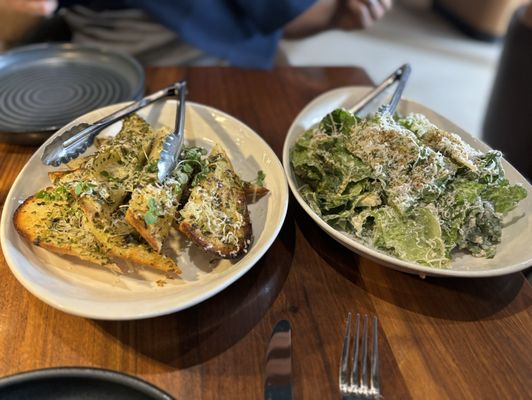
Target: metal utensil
[(174, 141), (355, 385), (401, 76), (278, 383), (75, 140)]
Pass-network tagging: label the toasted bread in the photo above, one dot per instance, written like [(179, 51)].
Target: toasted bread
[(101, 183), (52, 220), (105, 221), (56, 176), (150, 199), (164, 201), (153, 205), (254, 192), (215, 216), (87, 214), (120, 240), (158, 203)]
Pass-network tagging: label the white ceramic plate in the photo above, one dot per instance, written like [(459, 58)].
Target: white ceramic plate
[(514, 253), (90, 291)]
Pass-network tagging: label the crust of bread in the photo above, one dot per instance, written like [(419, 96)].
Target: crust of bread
[(254, 192), (56, 176), (140, 226)]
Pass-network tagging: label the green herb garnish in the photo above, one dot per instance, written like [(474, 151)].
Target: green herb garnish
[(57, 194), (83, 187), (150, 217), (260, 178)]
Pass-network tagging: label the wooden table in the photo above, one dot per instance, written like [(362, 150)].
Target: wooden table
[(439, 338)]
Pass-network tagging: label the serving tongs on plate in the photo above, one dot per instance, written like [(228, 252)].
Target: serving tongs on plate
[(74, 141), (174, 141), (400, 75)]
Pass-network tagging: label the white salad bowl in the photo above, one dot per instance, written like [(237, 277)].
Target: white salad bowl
[(514, 253)]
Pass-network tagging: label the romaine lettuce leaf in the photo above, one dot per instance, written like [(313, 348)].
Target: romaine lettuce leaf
[(415, 237), (504, 196), (336, 181), (303, 161), (339, 121), (311, 197), (454, 206)]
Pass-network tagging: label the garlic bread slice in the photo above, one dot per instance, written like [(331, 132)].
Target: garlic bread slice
[(216, 216), (51, 219), (118, 239), (151, 212), (152, 208), (103, 181)]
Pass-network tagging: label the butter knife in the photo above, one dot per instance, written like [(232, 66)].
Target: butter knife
[(278, 382)]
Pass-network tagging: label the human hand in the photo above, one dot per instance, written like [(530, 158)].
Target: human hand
[(343, 14), (360, 14), (34, 7)]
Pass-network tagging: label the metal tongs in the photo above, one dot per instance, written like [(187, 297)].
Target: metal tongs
[(74, 141), (174, 141), (401, 76)]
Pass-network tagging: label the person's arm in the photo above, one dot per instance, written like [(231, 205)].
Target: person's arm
[(316, 18), (34, 7), (342, 14)]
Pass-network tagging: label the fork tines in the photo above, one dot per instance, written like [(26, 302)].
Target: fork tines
[(356, 384)]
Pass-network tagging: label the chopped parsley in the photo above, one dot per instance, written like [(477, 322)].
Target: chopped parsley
[(83, 188), (260, 178), (150, 217), (58, 193)]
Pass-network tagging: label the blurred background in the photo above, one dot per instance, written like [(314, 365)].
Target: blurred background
[(454, 47), (452, 71)]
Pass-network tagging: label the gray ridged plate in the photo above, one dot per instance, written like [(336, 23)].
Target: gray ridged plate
[(43, 87)]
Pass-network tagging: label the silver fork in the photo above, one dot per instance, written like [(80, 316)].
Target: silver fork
[(355, 385)]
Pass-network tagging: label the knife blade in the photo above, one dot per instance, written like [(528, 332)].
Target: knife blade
[(278, 382)]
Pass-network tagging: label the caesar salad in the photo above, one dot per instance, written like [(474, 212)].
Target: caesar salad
[(404, 186)]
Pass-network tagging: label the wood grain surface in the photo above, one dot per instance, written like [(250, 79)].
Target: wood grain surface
[(439, 338)]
